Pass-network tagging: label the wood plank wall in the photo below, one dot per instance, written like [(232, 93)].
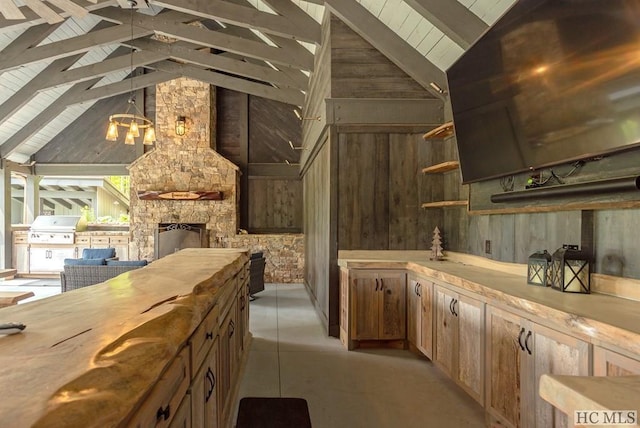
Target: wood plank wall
[(83, 140), (253, 133), (320, 256)]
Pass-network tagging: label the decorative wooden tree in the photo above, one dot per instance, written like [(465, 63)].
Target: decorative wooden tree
[(436, 247)]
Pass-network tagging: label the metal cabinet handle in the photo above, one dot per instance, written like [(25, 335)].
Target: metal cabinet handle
[(209, 335), (381, 284), (419, 293), (520, 339), (163, 414), (232, 327), (455, 301), (211, 378), (415, 289), (451, 306), (376, 284), (526, 342)]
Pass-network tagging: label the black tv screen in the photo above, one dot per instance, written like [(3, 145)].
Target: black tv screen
[(553, 81)]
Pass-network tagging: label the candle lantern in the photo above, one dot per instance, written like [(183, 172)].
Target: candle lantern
[(570, 270), (538, 268)]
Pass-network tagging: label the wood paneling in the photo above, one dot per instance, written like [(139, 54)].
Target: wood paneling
[(83, 140), (363, 218), (320, 253), (272, 126), (229, 124), (275, 205), (410, 226), (358, 70)]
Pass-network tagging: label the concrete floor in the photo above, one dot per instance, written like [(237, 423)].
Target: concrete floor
[(290, 356)]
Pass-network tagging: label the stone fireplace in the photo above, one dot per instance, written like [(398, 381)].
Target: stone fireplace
[(185, 164)]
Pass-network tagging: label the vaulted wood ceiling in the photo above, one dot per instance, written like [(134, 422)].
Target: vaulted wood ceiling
[(64, 55)]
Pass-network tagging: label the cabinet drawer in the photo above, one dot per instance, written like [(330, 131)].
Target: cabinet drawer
[(102, 241), (118, 240), (203, 338), (164, 401), (182, 419), (22, 239), (85, 240)]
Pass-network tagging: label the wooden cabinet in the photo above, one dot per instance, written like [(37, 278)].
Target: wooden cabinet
[(120, 243), (204, 391), (159, 409), (459, 339), (519, 351), (420, 314), (377, 305), (610, 363), (20, 254)]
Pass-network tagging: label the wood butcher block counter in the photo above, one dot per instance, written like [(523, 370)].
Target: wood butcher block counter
[(597, 317), (88, 357)]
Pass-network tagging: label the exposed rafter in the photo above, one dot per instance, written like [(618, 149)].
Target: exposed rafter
[(452, 18), (248, 17), (289, 96)]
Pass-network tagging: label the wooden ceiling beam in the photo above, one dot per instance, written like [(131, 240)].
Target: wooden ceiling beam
[(402, 54), (123, 87), (248, 17), (299, 17), (452, 18), (221, 63), (72, 46), (12, 144), (213, 39), (288, 96), (31, 18), (26, 93)]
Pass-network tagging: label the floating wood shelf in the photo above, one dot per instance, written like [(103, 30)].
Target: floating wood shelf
[(445, 204), (441, 167), (442, 131)]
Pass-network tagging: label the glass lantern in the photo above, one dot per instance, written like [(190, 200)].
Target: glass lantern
[(570, 270), (538, 268)]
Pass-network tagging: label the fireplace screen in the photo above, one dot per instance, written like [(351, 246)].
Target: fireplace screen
[(173, 237)]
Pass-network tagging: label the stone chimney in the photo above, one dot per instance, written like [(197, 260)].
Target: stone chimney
[(186, 163)]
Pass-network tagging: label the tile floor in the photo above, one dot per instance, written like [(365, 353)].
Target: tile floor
[(290, 356)]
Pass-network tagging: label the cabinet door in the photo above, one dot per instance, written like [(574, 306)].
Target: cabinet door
[(425, 289), (392, 305), (364, 305), (121, 245), (609, 363), (204, 392), (470, 352), (21, 258), (552, 353), (503, 366), (414, 325), (344, 308), (446, 330), (182, 419)]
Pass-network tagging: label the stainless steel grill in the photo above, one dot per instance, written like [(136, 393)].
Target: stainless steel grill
[(55, 229)]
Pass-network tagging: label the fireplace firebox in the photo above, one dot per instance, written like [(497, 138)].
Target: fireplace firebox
[(172, 237)]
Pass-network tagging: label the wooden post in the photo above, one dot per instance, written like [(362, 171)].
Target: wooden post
[(5, 210), (31, 198)]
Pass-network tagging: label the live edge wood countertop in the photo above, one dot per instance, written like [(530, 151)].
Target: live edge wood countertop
[(88, 357), (598, 318)]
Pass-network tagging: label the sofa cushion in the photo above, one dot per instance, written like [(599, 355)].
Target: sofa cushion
[(84, 262), (98, 253), (126, 262)]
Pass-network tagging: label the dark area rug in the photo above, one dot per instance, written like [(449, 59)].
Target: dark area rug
[(270, 412)]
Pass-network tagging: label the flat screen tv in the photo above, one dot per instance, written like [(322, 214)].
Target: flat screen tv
[(552, 82)]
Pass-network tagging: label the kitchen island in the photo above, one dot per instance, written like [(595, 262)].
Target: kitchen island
[(127, 351)]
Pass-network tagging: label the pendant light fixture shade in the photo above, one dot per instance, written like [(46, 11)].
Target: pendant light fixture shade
[(132, 119)]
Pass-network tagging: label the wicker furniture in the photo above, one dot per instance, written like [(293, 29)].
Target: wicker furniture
[(82, 276)]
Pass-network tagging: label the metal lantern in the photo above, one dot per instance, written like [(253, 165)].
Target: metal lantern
[(538, 267), (570, 270)]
